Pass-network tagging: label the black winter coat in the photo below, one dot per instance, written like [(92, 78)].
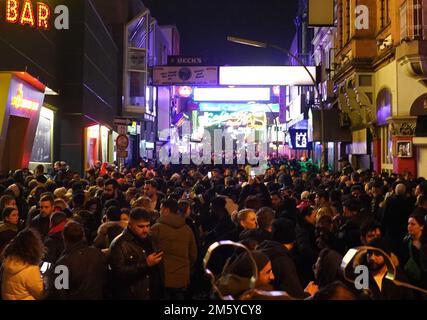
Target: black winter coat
[(54, 245), (87, 273), (132, 278), (286, 277)]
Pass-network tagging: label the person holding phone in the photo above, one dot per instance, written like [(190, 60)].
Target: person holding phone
[(135, 261)]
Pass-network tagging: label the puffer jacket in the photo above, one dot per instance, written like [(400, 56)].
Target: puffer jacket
[(177, 242), (21, 281)]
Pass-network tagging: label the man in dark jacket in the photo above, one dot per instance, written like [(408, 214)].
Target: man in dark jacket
[(395, 219), (41, 222), (381, 288), (87, 267), (135, 261), (286, 277)]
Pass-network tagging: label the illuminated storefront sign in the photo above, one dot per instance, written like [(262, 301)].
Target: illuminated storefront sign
[(232, 94), (299, 138), (266, 76), (19, 102), (239, 107), (235, 119), (28, 14)]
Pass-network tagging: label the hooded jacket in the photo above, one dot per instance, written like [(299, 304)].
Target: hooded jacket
[(177, 242), (21, 281), (286, 277)]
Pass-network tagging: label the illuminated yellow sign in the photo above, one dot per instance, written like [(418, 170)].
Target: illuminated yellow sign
[(20, 102)]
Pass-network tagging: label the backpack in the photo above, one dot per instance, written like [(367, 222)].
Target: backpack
[(412, 269)]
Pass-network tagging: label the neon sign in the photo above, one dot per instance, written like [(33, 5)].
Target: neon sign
[(299, 138), (27, 15), (19, 102)]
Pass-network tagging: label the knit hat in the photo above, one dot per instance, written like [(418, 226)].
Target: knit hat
[(242, 266), (284, 231), (382, 244)]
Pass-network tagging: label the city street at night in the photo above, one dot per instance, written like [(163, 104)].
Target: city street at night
[(191, 153)]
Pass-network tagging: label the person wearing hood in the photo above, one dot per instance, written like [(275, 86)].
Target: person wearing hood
[(327, 268), (236, 278), (21, 279), (54, 243), (178, 244), (286, 277)]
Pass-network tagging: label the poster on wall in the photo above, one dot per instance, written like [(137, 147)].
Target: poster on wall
[(42, 142), (404, 149)]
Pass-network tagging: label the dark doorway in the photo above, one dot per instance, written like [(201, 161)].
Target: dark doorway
[(15, 141)]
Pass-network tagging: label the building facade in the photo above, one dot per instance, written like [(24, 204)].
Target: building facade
[(379, 74)]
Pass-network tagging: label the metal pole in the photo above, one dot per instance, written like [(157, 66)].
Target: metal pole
[(323, 160)]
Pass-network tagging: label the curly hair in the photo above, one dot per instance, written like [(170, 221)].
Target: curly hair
[(27, 246)]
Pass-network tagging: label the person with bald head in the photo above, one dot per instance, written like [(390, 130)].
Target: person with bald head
[(397, 209)]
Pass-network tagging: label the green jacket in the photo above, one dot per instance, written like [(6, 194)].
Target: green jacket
[(177, 242)]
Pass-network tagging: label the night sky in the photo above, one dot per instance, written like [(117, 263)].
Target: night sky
[(204, 25)]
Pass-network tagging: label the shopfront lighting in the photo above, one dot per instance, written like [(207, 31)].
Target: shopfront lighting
[(276, 91), (185, 91), (232, 94), (27, 15), (19, 102)]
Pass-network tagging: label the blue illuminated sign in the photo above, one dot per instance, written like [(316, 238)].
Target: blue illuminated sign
[(299, 139), (239, 107)]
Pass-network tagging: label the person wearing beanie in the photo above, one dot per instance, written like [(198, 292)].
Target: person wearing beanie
[(381, 288), (54, 243), (280, 252), (237, 277)]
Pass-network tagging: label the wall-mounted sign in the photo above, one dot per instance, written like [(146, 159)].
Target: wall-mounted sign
[(137, 59), (238, 107), (232, 94), (19, 102), (185, 61), (266, 75), (185, 76), (299, 138), (25, 13)]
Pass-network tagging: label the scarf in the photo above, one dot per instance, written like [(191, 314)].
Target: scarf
[(58, 228)]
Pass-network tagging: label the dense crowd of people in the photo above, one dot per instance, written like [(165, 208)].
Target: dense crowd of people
[(142, 233)]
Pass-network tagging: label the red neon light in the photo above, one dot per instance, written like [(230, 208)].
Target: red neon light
[(19, 102), (27, 16), (12, 11), (43, 15)]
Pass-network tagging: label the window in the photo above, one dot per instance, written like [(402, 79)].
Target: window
[(412, 14), (385, 13)]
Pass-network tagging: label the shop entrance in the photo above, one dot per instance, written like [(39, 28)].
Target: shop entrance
[(15, 142)]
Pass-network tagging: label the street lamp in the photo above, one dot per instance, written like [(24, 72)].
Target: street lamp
[(259, 44)]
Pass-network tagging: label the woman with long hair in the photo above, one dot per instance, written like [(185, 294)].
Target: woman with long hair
[(414, 251), (21, 277)]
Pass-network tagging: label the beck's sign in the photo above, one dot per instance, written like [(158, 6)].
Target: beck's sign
[(185, 61)]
